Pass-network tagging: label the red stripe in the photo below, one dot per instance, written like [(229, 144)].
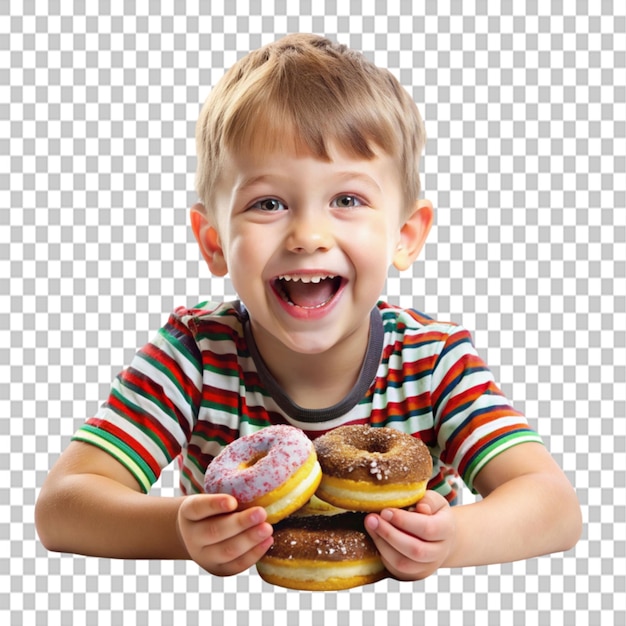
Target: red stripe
[(314, 434), (484, 443), (215, 432), (467, 361), (203, 460), (146, 422), (461, 436), (175, 371), (223, 399), (423, 338), (221, 362), (123, 436), (470, 395), (411, 369)]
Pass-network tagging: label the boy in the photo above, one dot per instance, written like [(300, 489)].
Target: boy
[(308, 178)]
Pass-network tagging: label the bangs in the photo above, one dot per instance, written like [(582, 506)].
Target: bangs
[(305, 110)]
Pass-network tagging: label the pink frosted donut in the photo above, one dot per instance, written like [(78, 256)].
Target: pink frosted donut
[(275, 467)]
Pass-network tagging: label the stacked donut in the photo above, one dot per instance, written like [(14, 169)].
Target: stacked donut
[(346, 473)]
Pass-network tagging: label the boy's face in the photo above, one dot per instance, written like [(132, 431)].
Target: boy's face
[(308, 243)]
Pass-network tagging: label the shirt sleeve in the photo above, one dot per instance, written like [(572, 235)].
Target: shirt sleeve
[(153, 404), (474, 421)]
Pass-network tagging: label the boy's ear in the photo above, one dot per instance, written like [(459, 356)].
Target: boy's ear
[(209, 240), (413, 235)]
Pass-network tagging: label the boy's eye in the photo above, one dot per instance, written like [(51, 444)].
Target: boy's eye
[(269, 204), (346, 202)]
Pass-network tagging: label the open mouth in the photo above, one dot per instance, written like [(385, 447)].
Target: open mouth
[(308, 291)]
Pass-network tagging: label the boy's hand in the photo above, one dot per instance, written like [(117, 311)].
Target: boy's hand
[(222, 541), (414, 544)]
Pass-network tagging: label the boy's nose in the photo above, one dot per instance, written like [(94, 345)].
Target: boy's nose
[(310, 232)]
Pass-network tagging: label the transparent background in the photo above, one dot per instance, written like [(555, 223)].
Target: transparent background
[(525, 111)]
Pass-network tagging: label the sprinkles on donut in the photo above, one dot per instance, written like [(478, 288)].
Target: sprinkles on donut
[(322, 553), (368, 469), (275, 467)]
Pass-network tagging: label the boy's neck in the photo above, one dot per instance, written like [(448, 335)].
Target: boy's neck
[(316, 381)]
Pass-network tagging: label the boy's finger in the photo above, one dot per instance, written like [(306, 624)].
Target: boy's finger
[(221, 529), (243, 550), (218, 540), (198, 507), (431, 503), (414, 524), (396, 546)]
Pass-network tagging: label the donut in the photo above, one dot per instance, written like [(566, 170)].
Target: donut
[(322, 553), (275, 467), (368, 469), (315, 506)]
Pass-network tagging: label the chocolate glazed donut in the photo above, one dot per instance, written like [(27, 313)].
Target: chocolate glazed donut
[(322, 553), (368, 469)]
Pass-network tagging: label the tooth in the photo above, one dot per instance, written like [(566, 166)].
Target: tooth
[(305, 279)]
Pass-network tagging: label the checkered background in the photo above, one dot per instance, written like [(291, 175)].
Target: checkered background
[(525, 110)]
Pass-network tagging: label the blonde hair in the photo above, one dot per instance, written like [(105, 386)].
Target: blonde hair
[(304, 92)]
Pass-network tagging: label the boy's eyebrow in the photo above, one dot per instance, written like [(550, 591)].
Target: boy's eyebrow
[(253, 180), (339, 176), (365, 178)]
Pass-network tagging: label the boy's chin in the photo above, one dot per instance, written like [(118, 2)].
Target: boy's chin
[(308, 344), (324, 341), (274, 338)]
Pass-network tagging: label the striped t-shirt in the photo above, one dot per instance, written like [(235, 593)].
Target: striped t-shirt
[(201, 384)]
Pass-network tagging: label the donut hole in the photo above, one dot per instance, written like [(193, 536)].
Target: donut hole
[(253, 460), (376, 445)]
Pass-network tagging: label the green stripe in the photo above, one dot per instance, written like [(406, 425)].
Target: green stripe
[(146, 428), (195, 462), (438, 486), (259, 423), (120, 451), (232, 373), (167, 372), (181, 349), (218, 406), (215, 336), (494, 450)]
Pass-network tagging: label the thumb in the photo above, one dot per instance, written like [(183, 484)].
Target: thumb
[(431, 503), (200, 506)]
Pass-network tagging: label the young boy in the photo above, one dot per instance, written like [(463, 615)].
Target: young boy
[(308, 161)]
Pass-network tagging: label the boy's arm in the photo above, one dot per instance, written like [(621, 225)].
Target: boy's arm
[(91, 504), (528, 508)]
